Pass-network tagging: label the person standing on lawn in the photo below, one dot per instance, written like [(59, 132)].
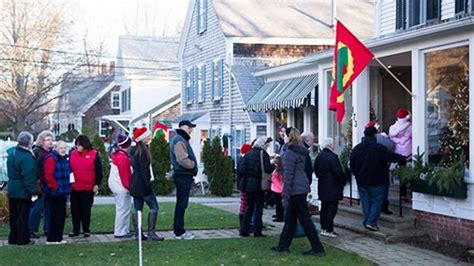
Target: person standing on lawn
[(369, 162), (250, 171), (243, 198), (184, 167), (119, 184), (277, 188), (295, 190), (43, 149), (22, 188), (86, 167), (141, 187), (56, 191), (331, 182)]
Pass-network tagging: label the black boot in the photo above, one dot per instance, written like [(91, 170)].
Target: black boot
[(385, 209), (151, 228), (135, 225)]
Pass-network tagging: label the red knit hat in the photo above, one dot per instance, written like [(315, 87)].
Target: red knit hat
[(372, 124), (141, 133), (402, 113), (245, 148)]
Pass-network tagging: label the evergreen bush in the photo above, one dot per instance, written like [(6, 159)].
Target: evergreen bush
[(218, 168), (161, 164), (98, 144)]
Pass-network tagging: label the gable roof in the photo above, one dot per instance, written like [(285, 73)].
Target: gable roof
[(175, 99), (148, 56), (293, 18), (248, 85), (81, 92)]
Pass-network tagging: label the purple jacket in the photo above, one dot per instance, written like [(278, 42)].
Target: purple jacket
[(401, 134)]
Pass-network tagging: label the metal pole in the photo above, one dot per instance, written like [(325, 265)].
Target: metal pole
[(139, 224), (394, 76)]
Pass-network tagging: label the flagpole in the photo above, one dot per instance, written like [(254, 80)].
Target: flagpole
[(394, 76)]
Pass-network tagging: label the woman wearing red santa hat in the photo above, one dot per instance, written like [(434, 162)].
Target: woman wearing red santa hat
[(401, 134), (140, 187)]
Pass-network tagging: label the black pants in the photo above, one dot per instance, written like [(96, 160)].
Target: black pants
[(57, 206), (19, 212), (81, 204), (298, 209), (256, 199), (327, 214), (278, 206)]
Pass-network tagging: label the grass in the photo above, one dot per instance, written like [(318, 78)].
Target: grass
[(239, 251), (197, 217)]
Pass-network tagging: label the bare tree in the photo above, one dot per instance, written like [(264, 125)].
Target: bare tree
[(33, 59)]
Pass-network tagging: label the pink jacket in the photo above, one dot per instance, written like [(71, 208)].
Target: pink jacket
[(401, 134), (277, 182)]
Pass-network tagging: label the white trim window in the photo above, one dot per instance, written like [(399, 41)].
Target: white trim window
[(201, 82), (125, 100), (103, 127), (217, 79), (201, 23), (188, 86), (115, 102)]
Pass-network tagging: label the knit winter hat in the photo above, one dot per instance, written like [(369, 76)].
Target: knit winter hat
[(245, 148), (141, 133), (123, 141), (402, 113), (372, 124)]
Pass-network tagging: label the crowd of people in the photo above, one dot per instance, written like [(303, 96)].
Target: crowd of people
[(43, 178)]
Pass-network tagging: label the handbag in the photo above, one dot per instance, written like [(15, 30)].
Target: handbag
[(266, 178)]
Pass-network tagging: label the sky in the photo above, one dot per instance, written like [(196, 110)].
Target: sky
[(105, 20)]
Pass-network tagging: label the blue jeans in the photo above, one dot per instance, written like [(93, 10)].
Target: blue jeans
[(371, 199), (183, 187), (38, 209), (150, 200)]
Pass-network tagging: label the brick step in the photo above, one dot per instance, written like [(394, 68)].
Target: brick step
[(389, 221), (384, 234)]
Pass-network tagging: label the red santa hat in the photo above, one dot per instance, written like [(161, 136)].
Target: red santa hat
[(245, 148), (402, 113), (372, 124), (141, 133)]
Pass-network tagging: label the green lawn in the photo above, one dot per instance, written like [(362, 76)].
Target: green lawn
[(197, 217), (239, 251)]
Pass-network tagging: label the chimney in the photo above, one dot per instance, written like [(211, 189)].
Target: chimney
[(112, 68), (333, 13)]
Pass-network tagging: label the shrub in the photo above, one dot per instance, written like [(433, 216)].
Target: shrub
[(218, 168), (4, 211), (161, 164), (98, 144), (68, 136)]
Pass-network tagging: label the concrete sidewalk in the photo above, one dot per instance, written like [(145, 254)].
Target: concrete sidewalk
[(100, 200)]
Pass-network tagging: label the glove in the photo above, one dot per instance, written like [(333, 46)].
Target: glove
[(96, 189), (34, 198)]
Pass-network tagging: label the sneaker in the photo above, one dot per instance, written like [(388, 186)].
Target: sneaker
[(280, 249), (314, 253), (129, 235), (63, 242), (52, 242), (372, 227), (328, 234), (185, 236), (34, 236), (259, 235), (87, 234), (73, 234), (244, 234)]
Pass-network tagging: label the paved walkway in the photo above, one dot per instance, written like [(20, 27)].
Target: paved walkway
[(375, 250)]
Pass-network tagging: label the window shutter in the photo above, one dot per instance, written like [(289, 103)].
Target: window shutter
[(221, 77), (401, 14), (196, 86), (242, 140), (218, 133), (204, 2), (212, 80), (185, 85), (203, 83), (198, 16), (414, 13)]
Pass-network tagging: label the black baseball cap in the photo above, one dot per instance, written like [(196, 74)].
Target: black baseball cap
[(186, 123)]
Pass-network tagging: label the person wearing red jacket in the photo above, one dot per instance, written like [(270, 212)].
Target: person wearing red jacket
[(56, 191), (119, 184), (86, 168)]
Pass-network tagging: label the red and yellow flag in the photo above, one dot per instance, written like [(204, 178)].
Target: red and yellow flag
[(350, 58)]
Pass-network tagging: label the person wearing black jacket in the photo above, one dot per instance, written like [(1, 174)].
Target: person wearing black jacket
[(331, 182), (250, 171), (369, 162)]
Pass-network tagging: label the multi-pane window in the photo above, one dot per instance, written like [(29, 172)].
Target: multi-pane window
[(115, 100), (202, 16), (433, 9)]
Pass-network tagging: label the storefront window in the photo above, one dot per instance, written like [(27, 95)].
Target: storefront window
[(299, 119), (341, 133), (447, 96)]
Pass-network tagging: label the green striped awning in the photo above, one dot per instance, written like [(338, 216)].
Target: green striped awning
[(283, 94)]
